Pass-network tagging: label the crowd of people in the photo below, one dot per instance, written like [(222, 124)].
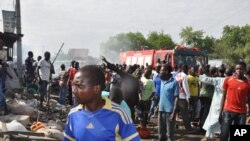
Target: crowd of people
[(110, 98), (215, 97)]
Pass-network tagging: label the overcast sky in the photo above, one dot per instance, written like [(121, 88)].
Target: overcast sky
[(46, 24)]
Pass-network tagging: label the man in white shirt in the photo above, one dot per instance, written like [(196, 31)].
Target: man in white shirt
[(184, 96), (44, 72)]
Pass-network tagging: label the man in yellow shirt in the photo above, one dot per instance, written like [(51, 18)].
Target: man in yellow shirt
[(193, 83)]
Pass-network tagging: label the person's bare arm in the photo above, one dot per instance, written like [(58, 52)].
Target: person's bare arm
[(113, 67), (173, 115), (202, 68), (38, 74)]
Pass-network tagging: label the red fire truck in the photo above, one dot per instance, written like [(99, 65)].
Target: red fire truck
[(179, 55)]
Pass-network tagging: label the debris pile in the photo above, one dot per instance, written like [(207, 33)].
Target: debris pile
[(26, 121)]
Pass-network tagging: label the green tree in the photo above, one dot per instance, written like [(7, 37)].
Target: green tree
[(207, 44), (160, 41), (233, 35), (195, 38), (190, 37), (234, 45), (219, 50)]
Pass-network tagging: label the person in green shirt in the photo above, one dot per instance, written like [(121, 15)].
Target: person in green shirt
[(146, 95)]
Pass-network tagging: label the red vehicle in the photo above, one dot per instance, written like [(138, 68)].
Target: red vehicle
[(179, 55)]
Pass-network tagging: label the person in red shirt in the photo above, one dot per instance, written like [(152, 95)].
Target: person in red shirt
[(235, 97), (72, 71)]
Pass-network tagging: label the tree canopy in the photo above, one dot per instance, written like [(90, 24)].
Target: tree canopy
[(160, 41), (234, 45)]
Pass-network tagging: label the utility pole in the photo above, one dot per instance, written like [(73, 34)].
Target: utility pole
[(19, 41)]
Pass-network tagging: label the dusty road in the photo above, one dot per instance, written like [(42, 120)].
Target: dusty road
[(180, 133)]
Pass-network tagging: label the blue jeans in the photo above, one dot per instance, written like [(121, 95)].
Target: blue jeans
[(229, 118), (62, 94), (166, 127), (154, 104)]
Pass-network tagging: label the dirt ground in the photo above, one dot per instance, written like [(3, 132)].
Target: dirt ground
[(180, 133)]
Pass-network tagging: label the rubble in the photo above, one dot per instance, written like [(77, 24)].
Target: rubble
[(24, 111), (23, 119), (53, 133), (19, 107), (15, 126)]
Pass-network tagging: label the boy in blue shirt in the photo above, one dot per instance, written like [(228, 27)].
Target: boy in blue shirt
[(96, 119)]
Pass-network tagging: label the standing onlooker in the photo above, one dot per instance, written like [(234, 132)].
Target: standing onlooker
[(146, 95), (30, 69), (96, 119), (71, 72), (107, 79), (236, 91), (176, 70), (44, 74), (154, 73), (193, 83), (206, 94), (184, 95), (156, 98), (2, 78), (212, 124), (63, 84), (169, 96), (35, 64)]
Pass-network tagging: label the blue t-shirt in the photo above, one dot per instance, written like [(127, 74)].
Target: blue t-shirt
[(157, 85), (108, 123), (169, 90)]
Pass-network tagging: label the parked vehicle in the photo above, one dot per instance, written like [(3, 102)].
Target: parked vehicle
[(179, 55)]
